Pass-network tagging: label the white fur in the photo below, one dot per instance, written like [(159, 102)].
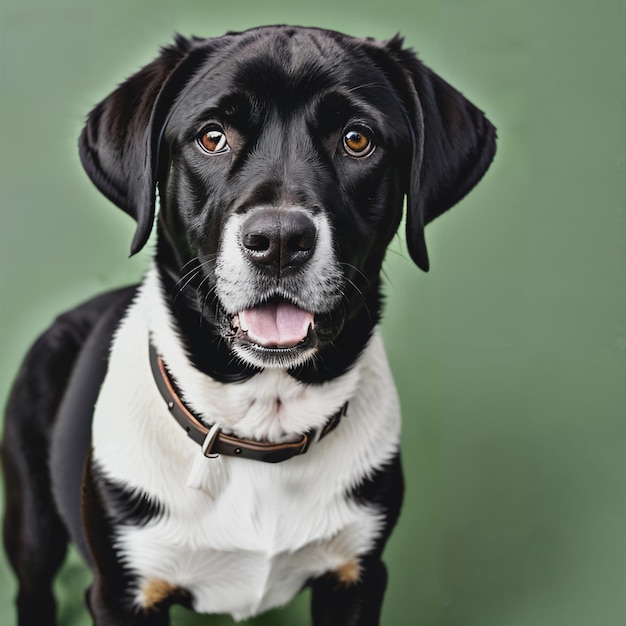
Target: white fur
[(242, 536), (237, 279)]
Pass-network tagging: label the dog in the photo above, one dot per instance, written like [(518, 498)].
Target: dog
[(227, 432)]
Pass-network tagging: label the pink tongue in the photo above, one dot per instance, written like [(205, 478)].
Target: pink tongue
[(276, 324)]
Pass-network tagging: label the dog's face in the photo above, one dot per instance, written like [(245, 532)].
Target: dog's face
[(285, 176), (282, 157)]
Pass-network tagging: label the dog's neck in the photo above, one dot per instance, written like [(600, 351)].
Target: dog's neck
[(271, 405), (214, 442)]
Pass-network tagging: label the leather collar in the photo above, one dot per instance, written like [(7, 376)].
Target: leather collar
[(214, 442)]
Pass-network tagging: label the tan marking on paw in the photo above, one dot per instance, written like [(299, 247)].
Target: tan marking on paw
[(349, 573), (156, 591)]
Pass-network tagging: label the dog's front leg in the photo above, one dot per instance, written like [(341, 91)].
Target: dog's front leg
[(353, 596), (336, 602), (110, 597), (109, 610)]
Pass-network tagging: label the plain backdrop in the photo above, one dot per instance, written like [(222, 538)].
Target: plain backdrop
[(510, 355)]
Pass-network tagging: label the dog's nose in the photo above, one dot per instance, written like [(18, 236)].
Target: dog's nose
[(281, 240)]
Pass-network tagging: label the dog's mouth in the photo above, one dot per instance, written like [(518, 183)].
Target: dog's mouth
[(274, 333), (277, 323)]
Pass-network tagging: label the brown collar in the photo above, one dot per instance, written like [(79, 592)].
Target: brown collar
[(214, 442)]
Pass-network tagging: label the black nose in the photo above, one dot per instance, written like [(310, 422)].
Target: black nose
[(280, 240)]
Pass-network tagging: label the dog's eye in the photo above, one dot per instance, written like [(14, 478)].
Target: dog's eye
[(358, 143), (214, 142)]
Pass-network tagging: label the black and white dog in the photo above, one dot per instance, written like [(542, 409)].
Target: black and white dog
[(227, 432)]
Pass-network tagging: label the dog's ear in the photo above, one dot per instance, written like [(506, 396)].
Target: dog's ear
[(453, 147), (119, 146)]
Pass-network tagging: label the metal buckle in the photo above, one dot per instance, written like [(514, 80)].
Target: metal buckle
[(209, 440)]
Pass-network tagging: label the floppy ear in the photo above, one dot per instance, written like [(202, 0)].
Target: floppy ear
[(119, 146), (453, 147)]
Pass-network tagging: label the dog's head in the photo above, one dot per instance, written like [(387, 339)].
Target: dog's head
[(282, 157)]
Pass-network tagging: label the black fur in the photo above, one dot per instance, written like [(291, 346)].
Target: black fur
[(36, 487), (287, 95)]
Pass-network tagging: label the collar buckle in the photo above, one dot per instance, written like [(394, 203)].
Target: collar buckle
[(209, 442)]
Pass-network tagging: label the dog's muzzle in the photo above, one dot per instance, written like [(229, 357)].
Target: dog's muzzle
[(277, 280), (278, 244)]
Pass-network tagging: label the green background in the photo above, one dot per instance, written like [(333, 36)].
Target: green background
[(510, 355)]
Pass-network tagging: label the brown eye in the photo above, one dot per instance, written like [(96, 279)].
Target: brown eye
[(214, 142), (357, 143)]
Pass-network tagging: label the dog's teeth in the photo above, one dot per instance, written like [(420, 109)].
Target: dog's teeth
[(240, 325), (236, 323)]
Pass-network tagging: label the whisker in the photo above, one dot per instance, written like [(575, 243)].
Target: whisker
[(180, 289), (358, 271), (193, 260), (364, 86), (205, 300), (361, 296), (400, 253), (189, 276), (195, 269), (345, 306), (205, 296), (386, 276), (358, 291)]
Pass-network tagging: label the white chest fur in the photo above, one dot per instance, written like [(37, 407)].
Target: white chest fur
[(241, 536)]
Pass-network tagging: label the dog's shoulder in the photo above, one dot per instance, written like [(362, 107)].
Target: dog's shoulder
[(54, 393)]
